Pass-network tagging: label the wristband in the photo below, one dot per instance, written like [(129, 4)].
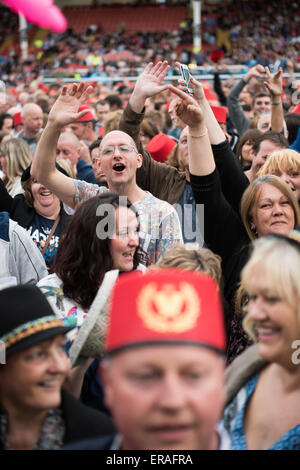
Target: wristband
[(198, 136), (275, 104)]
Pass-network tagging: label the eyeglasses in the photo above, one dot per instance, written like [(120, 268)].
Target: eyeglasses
[(109, 150)]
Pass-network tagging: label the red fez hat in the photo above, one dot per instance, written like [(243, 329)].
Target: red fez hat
[(297, 109), (88, 116), (167, 306), (220, 113), (17, 119), (160, 146)]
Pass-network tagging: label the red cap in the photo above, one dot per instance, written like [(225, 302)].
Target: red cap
[(297, 109), (167, 306), (43, 87), (17, 119), (210, 96), (216, 56), (88, 116), (160, 146), (220, 113)]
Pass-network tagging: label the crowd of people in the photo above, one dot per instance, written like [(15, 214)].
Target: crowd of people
[(248, 33), (150, 261)]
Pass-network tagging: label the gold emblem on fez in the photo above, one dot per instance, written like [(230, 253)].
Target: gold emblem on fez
[(169, 309)]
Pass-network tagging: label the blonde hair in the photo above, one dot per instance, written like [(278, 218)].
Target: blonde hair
[(251, 194), (281, 161), (112, 121), (278, 257), (18, 156), (191, 257), (174, 159), (67, 166)]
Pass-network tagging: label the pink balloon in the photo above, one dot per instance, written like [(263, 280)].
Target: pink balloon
[(42, 12)]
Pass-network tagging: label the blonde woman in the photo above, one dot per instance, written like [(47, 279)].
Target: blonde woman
[(285, 164), (263, 384), (15, 157)]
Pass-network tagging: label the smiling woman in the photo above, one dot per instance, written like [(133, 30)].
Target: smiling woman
[(102, 235), (39, 211), (42, 416), (268, 369)]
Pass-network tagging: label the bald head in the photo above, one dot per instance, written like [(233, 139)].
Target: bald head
[(108, 138), (70, 138), (68, 147), (32, 117), (30, 108)]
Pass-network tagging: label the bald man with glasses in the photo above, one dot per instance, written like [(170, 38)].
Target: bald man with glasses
[(119, 161)]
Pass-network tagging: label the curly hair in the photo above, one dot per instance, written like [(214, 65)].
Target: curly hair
[(83, 258)]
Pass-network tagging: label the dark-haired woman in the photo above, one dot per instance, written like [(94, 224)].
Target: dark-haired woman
[(89, 248)]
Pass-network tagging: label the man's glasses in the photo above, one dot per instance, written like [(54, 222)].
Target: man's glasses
[(109, 150)]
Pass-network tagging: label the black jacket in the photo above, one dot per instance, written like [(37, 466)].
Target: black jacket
[(224, 232), (83, 422)]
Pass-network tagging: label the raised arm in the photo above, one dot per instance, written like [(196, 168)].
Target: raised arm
[(233, 180), (158, 178), (147, 85), (274, 86), (201, 159), (63, 112), (237, 116), (223, 229)]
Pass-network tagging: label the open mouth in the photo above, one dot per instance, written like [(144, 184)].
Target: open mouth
[(45, 193), (118, 167), (266, 333)]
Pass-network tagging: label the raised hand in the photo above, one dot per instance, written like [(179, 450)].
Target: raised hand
[(150, 81), (187, 109), (274, 84), (65, 109), (258, 71)]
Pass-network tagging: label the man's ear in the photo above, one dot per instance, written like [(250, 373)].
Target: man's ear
[(105, 378), (139, 160)]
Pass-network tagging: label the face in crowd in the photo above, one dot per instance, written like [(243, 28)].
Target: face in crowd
[(118, 159), (166, 397)]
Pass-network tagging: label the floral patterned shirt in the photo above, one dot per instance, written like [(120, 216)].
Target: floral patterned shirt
[(52, 433), (159, 223)]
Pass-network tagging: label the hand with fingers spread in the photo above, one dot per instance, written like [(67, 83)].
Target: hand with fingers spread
[(65, 109), (149, 83), (274, 84), (188, 109)]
